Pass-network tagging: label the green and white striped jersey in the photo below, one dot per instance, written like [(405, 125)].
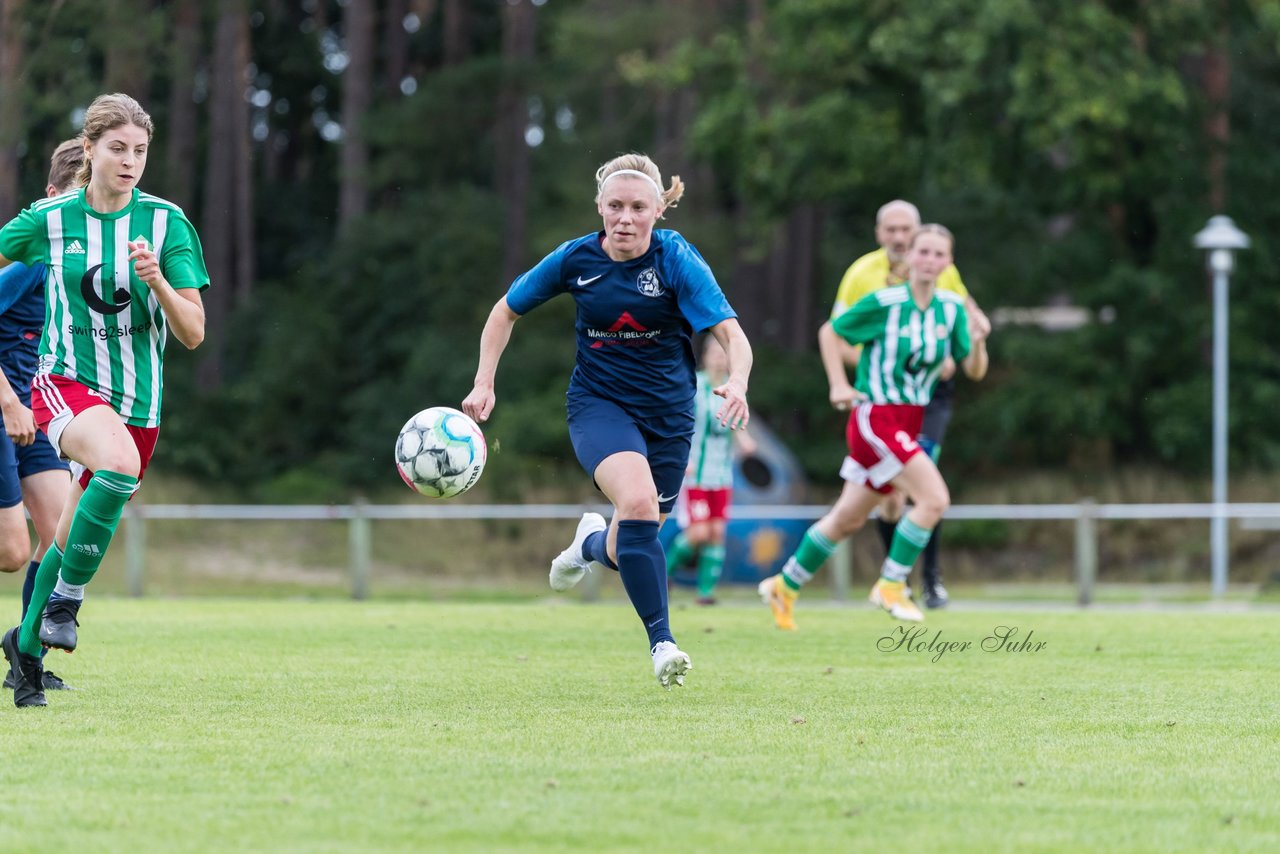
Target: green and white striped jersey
[(905, 347), (104, 328), (711, 456)]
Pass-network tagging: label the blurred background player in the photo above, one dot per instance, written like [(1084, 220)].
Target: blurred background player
[(640, 293), (896, 224), (910, 331), (31, 473), (703, 508)]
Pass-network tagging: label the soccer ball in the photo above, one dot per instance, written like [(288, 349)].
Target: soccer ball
[(440, 452)]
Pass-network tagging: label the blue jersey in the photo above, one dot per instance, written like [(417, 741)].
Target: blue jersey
[(636, 318), (21, 309)]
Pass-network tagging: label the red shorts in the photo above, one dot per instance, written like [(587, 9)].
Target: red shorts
[(55, 400), (704, 505), (881, 437)]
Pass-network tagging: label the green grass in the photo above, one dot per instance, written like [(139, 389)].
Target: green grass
[(252, 725)]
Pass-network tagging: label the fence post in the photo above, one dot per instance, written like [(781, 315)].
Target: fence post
[(135, 549), (1086, 551), (360, 542), (841, 570)]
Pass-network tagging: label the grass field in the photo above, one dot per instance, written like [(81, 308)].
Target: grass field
[(252, 725)]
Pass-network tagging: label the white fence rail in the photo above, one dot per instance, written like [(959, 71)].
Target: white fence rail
[(358, 515)]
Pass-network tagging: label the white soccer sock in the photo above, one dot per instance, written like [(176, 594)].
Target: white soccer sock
[(68, 591)]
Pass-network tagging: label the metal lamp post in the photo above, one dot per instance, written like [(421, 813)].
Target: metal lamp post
[(1220, 238)]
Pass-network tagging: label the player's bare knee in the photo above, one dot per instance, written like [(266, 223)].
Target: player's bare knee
[(642, 507), (122, 462), (928, 509), (13, 558)]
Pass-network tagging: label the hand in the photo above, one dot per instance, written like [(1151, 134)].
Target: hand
[(479, 403), (19, 423), (979, 325), (948, 369), (146, 266), (733, 412), (844, 397)]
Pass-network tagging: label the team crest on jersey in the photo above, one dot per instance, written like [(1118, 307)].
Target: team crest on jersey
[(648, 283)]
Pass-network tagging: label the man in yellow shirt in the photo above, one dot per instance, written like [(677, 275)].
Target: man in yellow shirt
[(896, 223)]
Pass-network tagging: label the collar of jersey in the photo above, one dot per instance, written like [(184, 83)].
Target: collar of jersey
[(124, 211)]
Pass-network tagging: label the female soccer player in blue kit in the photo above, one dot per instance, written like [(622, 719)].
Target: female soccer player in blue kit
[(641, 293)]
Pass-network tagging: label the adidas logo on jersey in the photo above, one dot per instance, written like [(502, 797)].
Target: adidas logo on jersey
[(74, 249)]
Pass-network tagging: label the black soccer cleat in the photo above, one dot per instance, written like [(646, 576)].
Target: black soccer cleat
[(28, 672), (53, 682), (935, 595), (58, 624)]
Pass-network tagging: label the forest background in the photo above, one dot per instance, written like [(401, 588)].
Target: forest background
[(368, 177)]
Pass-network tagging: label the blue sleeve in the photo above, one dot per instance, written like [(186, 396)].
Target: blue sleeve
[(697, 293), (16, 281), (540, 284)]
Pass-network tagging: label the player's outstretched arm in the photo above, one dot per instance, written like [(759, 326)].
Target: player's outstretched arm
[(493, 340), (734, 414)]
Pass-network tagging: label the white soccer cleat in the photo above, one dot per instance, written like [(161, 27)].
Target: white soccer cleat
[(571, 564), (670, 664)]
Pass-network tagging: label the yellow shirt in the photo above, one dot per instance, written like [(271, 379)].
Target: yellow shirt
[(872, 272)]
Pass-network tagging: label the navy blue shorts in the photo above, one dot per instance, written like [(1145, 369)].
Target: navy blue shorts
[(17, 462), (600, 428)]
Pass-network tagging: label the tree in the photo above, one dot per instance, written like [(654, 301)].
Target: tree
[(12, 98), (519, 23), (184, 57), (357, 94), (227, 224)]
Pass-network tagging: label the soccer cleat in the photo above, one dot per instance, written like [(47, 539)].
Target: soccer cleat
[(53, 682), (781, 599), (571, 564), (894, 598), (935, 595), (58, 624), (670, 664), (705, 600), (28, 672)]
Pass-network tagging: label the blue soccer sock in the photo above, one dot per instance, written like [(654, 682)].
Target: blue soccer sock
[(643, 568), (596, 547), (28, 585)]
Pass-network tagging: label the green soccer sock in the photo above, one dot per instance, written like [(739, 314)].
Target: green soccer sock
[(678, 553), (908, 541), (810, 555), (46, 580), (710, 565), (92, 527)]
